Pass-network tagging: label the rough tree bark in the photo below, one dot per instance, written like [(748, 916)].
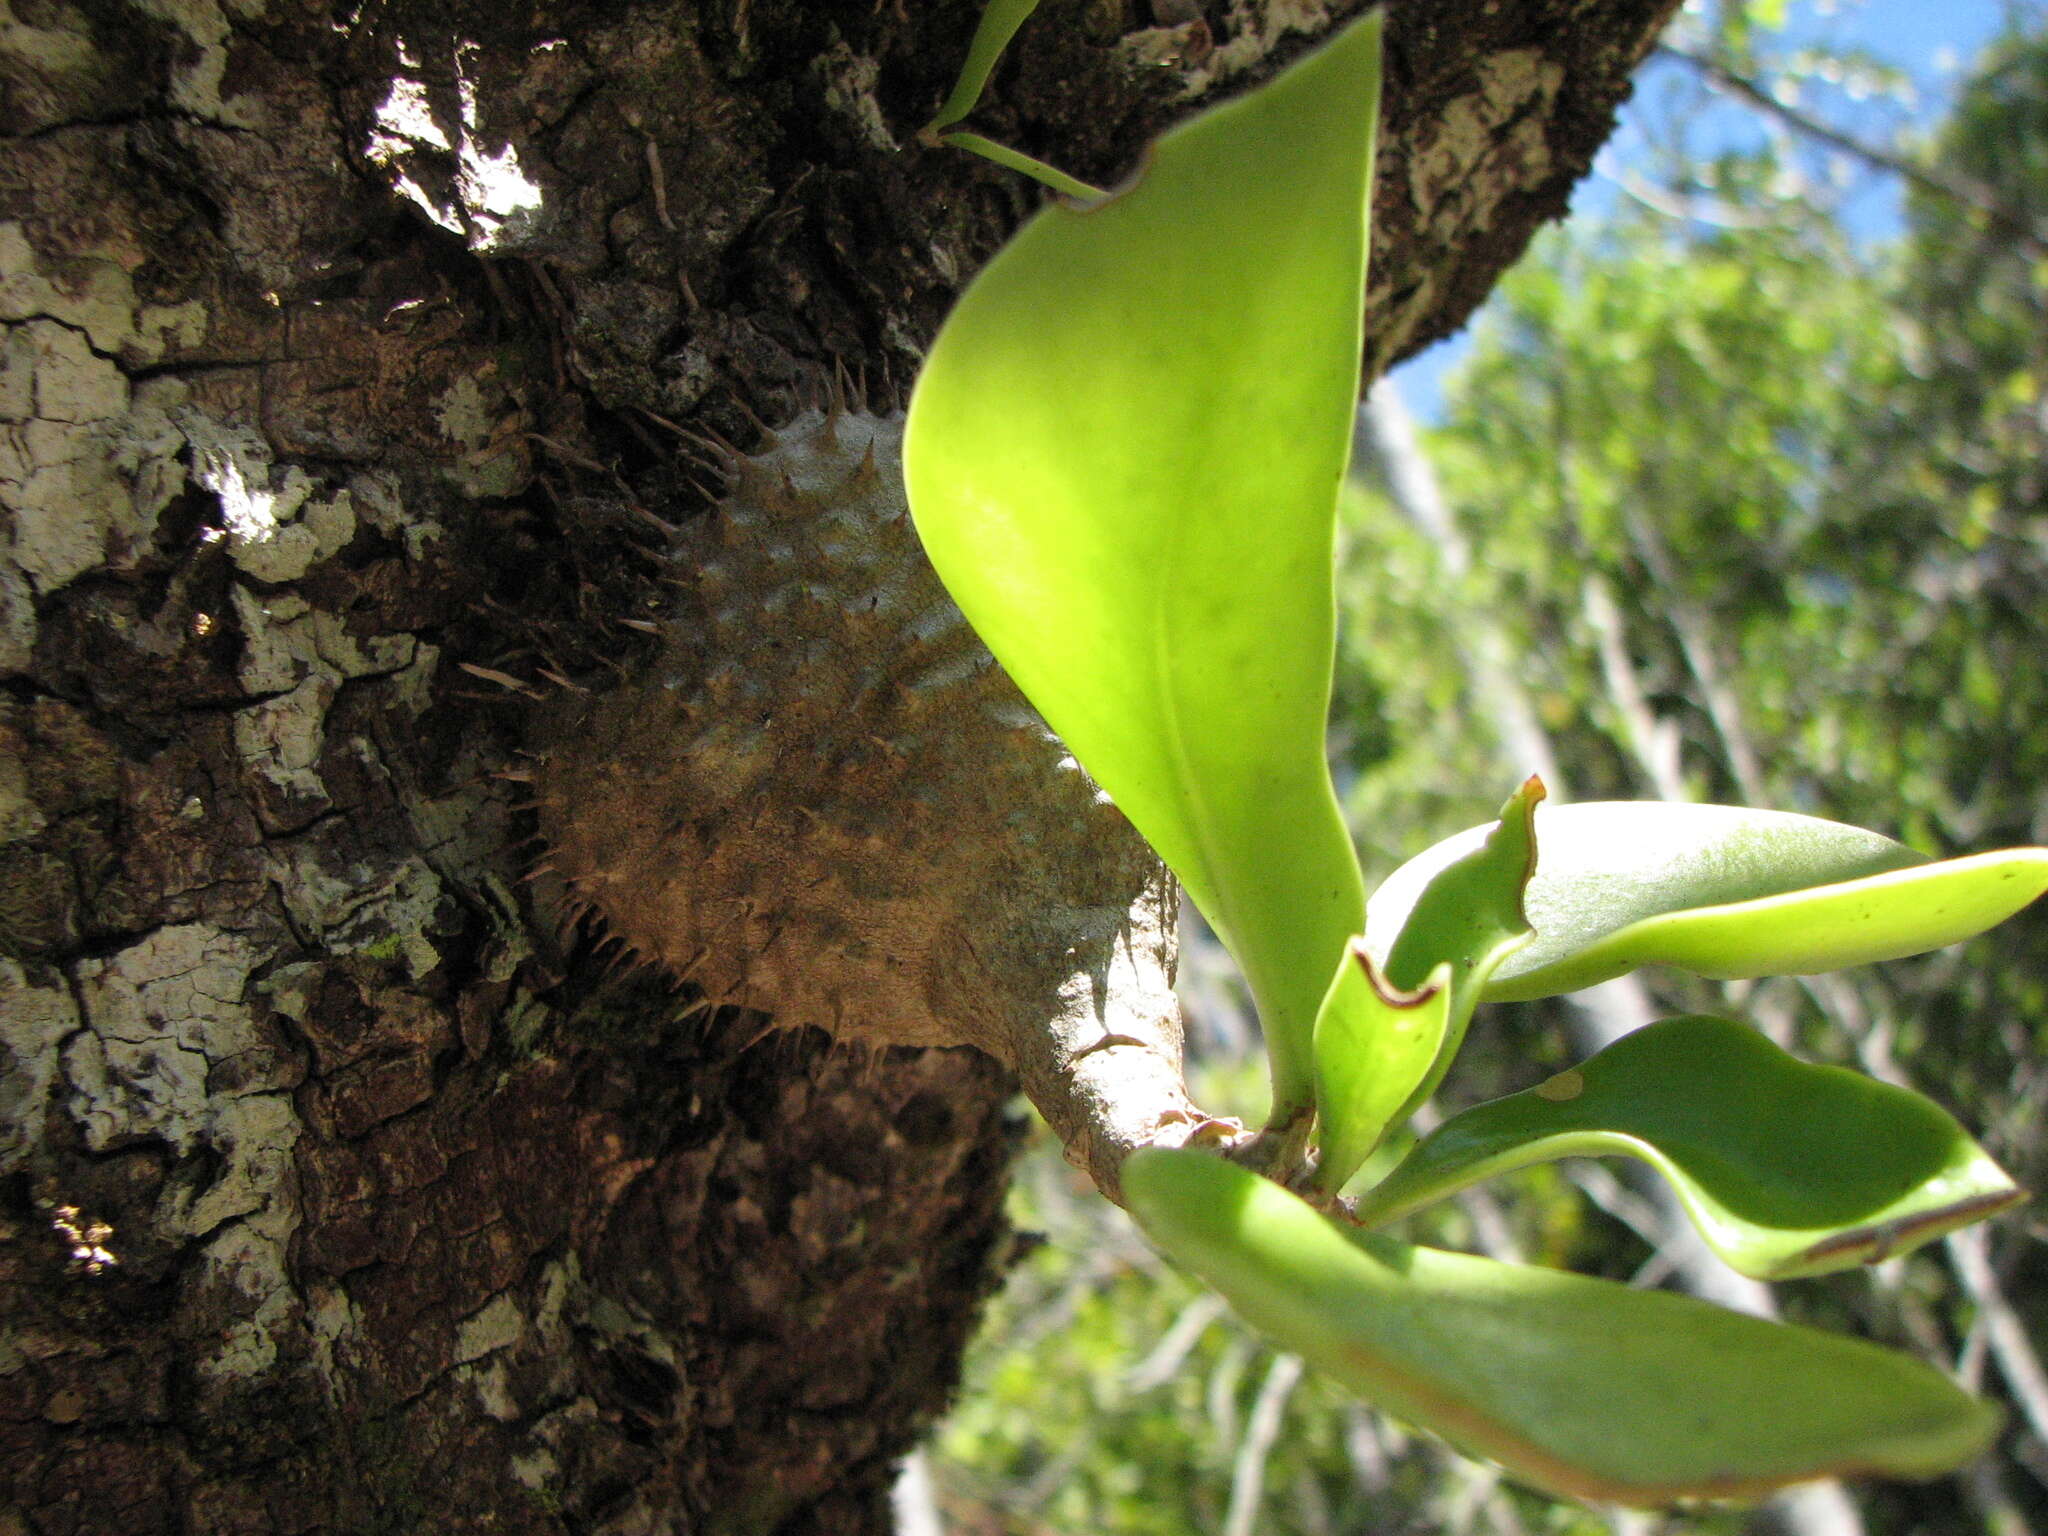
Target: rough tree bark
[(338, 1190)]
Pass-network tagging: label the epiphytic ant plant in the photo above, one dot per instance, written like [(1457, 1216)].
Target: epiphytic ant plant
[(1123, 457)]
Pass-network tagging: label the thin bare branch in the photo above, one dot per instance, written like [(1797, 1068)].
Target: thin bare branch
[(1969, 1250), (1653, 740), (1945, 184), (1248, 1472), (1164, 1362)]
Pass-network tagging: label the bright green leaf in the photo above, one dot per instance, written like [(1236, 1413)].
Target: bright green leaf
[(1374, 1043), (1786, 1169), (1123, 456), (1581, 1386), (1724, 892)]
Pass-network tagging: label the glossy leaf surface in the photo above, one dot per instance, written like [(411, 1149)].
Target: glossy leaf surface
[(1725, 892), (1123, 456), (1786, 1169), (1374, 1044), (1581, 1386)]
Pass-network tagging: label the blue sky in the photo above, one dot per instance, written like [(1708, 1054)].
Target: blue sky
[(1932, 43)]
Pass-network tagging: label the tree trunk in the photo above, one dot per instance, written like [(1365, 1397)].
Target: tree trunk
[(342, 1188)]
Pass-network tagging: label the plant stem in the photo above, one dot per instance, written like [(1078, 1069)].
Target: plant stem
[(1017, 160)]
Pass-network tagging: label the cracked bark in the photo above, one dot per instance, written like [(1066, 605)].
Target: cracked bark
[(336, 1192)]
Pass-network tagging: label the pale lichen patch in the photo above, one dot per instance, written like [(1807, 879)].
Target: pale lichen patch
[(494, 1326), (412, 685), (278, 527), (291, 989), (557, 1308), (281, 738), (850, 79), (1486, 147), (73, 445), (295, 658), (72, 382), (257, 1133), (17, 620), (251, 1262), (478, 414), (463, 414), (377, 502), (86, 461), (287, 640), (1254, 30), (196, 81), (1468, 165), (358, 655), (66, 500), (349, 917), (271, 663), (335, 1325), (463, 831), (560, 1282), (157, 326), (53, 51), (492, 1384), (172, 1051), (93, 292), (144, 1085), (148, 447), (158, 1015), (554, 1438), (39, 1015), (17, 374), (400, 909)]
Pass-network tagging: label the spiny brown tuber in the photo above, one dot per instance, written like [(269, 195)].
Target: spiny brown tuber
[(825, 801)]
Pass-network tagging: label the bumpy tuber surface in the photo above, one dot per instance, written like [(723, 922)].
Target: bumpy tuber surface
[(824, 800)]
